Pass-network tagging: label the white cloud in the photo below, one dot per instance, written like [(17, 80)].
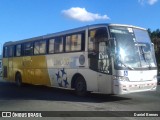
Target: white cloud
[(81, 14), (150, 2)]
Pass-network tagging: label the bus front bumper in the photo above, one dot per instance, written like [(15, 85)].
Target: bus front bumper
[(125, 87)]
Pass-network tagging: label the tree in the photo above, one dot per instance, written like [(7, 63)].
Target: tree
[(158, 33), (149, 31), (155, 38)]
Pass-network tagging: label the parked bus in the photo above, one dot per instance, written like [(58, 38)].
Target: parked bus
[(105, 58)]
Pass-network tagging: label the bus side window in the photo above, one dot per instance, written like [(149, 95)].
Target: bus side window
[(18, 50), (51, 45), (5, 52), (10, 51), (28, 49), (40, 47), (58, 45), (96, 36), (91, 44), (74, 42)]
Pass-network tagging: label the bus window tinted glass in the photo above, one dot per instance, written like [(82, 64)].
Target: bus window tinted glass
[(40, 47), (73, 42), (28, 49), (95, 36), (51, 46), (18, 50), (58, 45), (5, 52), (10, 51), (91, 45)]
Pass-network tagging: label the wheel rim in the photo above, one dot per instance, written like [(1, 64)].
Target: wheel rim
[(80, 86)]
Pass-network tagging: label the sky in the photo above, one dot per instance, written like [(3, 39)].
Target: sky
[(21, 19)]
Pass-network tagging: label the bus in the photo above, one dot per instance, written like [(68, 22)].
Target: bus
[(103, 58)]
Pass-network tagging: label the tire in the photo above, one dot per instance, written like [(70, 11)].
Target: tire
[(80, 86), (18, 80)]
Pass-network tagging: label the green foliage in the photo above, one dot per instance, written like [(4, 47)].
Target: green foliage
[(155, 38), (154, 34)]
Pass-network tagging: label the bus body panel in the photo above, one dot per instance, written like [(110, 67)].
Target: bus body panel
[(91, 79), (104, 83), (62, 67), (5, 68), (137, 75), (122, 87), (136, 81), (33, 69), (8, 71), (18, 67)]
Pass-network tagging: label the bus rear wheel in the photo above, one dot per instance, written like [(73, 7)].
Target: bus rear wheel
[(80, 86), (18, 80)]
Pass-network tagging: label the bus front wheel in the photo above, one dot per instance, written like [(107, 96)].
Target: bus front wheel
[(18, 80), (80, 86)]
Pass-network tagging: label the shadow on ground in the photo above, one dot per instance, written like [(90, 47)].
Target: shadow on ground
[(9, 91)]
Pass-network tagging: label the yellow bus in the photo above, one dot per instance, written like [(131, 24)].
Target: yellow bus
[(105, 58)]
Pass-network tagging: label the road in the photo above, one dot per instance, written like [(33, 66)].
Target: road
[(40, 98)]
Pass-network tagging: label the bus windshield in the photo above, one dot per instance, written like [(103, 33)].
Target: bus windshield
[(133, 48)]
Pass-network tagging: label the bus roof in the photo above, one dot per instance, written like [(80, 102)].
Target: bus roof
[(52, 35)]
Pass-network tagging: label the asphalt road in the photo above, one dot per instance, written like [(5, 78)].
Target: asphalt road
[(40, 98)]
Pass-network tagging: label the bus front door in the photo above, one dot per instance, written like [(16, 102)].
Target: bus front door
[(104, 69)]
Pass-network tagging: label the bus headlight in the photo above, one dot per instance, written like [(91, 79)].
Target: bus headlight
[(120, 78)]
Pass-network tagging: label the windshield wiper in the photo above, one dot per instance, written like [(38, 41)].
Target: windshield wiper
[(147, 60), (143, 53), (140, 45), (131, 68)]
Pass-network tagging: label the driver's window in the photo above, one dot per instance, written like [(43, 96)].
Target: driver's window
[(95, 36)]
